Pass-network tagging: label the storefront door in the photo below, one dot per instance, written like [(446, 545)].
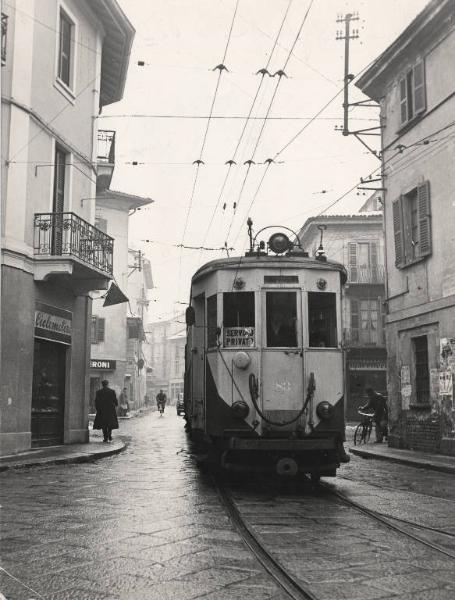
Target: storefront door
[(48, 400)]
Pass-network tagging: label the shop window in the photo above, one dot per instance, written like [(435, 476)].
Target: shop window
[(322, 319), (281, 315), (97, 329), (412, 225), (422, 374), (238, 319), (212, 317)]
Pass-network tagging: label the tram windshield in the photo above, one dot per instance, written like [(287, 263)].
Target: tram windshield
[(322, 319), (238, 319), (281, 313)]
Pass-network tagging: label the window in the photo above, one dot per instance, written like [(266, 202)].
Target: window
[(322, 319), (212, 324), (363, 262), (64, 49), (238, 318), (135, 330), (412, 93), (412, 227), (422, 377), (4, 37), (97, 329), (365, 316), (281, 315), (58, 204)]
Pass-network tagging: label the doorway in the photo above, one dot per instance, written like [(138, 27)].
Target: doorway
[(48, 393)]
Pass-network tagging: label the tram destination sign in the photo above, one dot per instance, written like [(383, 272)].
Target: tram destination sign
[(52, 323), (239, 336), (102, 364)]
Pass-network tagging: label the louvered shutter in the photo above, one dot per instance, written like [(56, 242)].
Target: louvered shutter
[(374, 262), (403, 101), (59, 202), (100, 330), (398, 233), (354, 320), (423, 206), (352, 261), (419, 88)]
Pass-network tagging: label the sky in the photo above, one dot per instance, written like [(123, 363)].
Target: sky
[(162, 123)]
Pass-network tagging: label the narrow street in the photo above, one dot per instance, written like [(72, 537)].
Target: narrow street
[(148, 523)]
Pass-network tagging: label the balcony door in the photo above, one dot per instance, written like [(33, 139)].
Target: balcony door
[(58, 205)]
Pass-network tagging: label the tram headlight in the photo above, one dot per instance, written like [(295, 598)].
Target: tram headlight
[(240, 409), (241, 360), (324, 410)]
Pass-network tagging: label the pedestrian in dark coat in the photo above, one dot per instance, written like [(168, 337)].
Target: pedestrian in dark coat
[(106, 415), (378, 404)]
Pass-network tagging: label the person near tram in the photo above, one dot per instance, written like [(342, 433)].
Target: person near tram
[(377, 405), (161, 400), (106, 414)]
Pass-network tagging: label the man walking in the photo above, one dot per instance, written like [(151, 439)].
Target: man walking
[(161, 400), (106, 416), (378, 404)]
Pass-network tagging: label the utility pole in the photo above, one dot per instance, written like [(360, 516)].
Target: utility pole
[(347, 36)]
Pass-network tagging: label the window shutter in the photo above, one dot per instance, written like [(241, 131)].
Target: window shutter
[(419, 88), (398, 232), (100, 330), (374, 262), (423, 204), (93, 339), (352, 261), (403, 101), (354, 320)]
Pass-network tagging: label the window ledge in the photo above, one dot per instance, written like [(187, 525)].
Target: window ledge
[(415, 406), (410, 124), (65, 90), (412, 262)]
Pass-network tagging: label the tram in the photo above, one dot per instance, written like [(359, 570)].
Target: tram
[(264, 365)]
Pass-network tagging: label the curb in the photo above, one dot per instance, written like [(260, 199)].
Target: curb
[(79, 457), (420, 463)]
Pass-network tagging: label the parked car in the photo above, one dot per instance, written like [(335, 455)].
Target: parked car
[(180, 405)]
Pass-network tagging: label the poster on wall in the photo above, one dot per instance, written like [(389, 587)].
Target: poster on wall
[(447, 353), (445, 383), (434, 382)]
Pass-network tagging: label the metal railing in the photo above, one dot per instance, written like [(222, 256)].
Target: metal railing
[(66, 234), (4, 36), (363, 337), (106, 146), (375, 275)]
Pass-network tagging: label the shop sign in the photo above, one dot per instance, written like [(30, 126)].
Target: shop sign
[(102, 364), (367, 365), (239, 336), (52, 323)]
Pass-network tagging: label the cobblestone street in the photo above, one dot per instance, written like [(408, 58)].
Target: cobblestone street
[(148, 523)]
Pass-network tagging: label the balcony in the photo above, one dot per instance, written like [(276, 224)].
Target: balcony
[(105, 159), (366, 275), (65, 244), (356, 338)]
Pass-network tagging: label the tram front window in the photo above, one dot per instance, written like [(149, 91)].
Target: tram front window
[(238, 319), (281, 314), (322, 319)]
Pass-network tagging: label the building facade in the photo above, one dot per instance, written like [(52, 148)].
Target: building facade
[(117, 332), (414, 84), (62, 61), (166, 344), (357, 242)]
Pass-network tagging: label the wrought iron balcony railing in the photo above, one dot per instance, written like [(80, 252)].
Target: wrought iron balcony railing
[(106, 146), (366, 275), (67, 235)]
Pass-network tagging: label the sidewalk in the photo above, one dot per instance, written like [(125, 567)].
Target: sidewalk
[(425, 460), (65, 454)]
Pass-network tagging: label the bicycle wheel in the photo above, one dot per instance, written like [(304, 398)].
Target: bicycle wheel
[(358, 435), (367, 433)]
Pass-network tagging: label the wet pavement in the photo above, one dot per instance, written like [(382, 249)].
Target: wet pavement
[(148, 524)]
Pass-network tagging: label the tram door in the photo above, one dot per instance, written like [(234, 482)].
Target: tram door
[(282, 354), (198, 364)]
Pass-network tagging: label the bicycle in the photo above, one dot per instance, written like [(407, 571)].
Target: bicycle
[(161, 408), (363, 430)]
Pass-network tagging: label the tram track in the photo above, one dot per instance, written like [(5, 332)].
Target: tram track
[(282, 577)]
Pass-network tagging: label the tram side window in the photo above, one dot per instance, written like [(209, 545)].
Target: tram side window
[(211, 321), (281, 311), (238, 319), (322, 319)]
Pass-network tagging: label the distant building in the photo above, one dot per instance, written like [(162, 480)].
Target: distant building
[(117, 332), (357, 242), (413, 80), (166, 341), (62, 61)]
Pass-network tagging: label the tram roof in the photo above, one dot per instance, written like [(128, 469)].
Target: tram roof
[(265, 261)]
